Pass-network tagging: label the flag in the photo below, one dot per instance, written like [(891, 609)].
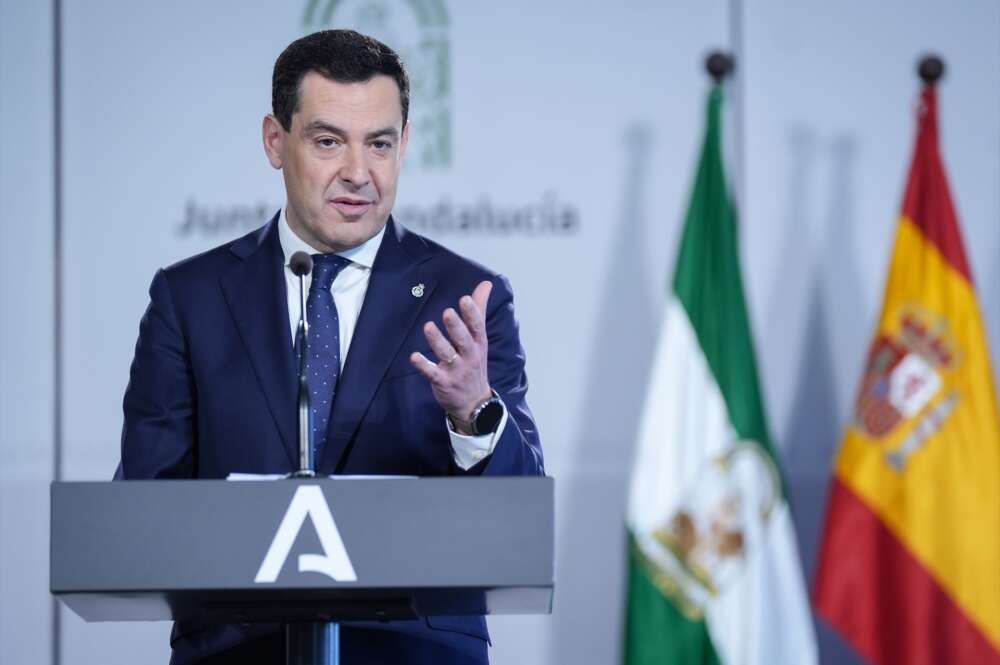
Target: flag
[(714, 575), (910, 563)]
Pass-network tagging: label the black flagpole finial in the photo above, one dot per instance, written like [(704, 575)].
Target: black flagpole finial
[(719, 65), (930, 69)]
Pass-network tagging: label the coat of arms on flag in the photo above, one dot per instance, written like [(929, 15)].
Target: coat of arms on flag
[(905, 370), (704, 543)]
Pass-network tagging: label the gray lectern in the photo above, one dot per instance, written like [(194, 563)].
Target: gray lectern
[(303, 551)]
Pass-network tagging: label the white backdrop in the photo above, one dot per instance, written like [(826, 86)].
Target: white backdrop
[(558, 145)]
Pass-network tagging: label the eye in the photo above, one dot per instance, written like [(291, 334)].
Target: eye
[(327, 142), (381, 145)]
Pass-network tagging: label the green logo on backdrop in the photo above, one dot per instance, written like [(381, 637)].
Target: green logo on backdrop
[(418, 31)]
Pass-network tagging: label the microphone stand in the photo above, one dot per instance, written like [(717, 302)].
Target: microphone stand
[(314, 642), (307, 466)]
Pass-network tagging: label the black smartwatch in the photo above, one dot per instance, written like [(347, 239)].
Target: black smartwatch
[(487, 416)]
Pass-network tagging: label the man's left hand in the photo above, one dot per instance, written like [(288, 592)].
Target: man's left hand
[(459, 379)]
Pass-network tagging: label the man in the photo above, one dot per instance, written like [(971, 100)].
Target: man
[(213, 383)]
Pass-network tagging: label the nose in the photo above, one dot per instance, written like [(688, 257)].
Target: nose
[(354, 169)]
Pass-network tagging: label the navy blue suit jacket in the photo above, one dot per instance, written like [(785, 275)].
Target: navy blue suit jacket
[(212, 387)]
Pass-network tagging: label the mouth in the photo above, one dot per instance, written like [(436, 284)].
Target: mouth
[(350, 206)]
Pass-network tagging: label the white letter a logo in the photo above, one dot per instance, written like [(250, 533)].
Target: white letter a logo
[(334, 562)]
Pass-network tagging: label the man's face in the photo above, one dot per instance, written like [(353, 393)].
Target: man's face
[(340, 160)]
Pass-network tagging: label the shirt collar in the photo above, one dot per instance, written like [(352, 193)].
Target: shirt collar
[(363, 254)]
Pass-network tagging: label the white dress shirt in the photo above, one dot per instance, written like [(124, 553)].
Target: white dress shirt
[(348, 291)]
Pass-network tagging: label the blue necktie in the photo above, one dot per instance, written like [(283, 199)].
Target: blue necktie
[(323, 363)]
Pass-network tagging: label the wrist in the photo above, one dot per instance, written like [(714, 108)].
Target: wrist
[(462, 422), (463, 427)]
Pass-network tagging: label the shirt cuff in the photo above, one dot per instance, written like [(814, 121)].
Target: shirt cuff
[(468, 450)]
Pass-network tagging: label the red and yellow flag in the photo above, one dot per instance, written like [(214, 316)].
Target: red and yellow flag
[(910, 565)]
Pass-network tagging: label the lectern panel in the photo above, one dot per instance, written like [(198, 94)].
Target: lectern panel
[(326, 548)]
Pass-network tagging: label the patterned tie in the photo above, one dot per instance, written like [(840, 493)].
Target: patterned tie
[(323, 363)]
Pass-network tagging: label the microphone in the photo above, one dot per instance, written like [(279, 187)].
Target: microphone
[(301, 265)]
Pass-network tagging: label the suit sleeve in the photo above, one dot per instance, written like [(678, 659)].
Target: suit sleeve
[(518, 452), (159, 435)]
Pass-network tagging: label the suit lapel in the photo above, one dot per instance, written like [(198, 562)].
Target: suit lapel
[(257, 296), (389, 312)]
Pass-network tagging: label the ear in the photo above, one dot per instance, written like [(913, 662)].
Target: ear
[(404, 140), (274, 140)]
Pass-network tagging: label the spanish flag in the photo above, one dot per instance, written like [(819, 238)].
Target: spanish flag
[(909, 570)]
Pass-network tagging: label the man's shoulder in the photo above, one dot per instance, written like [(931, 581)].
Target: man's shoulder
[(440, 258), (214, 262), (459, 274)]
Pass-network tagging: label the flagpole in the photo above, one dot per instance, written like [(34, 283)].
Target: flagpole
[(930, 69)]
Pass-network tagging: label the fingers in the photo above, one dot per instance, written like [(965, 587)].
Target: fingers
[(481, 295), (430, 371), (474, 310), (466, 335), (440, 345), (460, 335)]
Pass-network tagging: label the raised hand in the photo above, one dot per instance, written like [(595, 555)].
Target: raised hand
[(459, 378)]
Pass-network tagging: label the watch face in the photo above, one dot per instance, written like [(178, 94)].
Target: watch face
[(488, 418)]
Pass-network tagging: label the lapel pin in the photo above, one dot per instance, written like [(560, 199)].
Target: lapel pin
[(417, 291)]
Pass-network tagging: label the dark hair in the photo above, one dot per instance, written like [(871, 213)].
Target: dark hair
[(345, 56)]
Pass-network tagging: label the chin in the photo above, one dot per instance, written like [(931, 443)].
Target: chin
[(352, 238)]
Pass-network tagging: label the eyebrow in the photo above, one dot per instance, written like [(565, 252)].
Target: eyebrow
[(391, 132), (318, 126)]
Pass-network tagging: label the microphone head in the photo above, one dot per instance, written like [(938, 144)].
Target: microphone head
[(301, 264)]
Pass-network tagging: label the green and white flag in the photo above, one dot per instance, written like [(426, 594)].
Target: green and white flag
[(714, 575)]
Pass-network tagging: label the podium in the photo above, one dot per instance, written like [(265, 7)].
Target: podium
[(308, 553)]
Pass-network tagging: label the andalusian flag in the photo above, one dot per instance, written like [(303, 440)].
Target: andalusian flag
[(910, 566), (714, 573)]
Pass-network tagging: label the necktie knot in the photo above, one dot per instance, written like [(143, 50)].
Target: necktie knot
[(325, 270)]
